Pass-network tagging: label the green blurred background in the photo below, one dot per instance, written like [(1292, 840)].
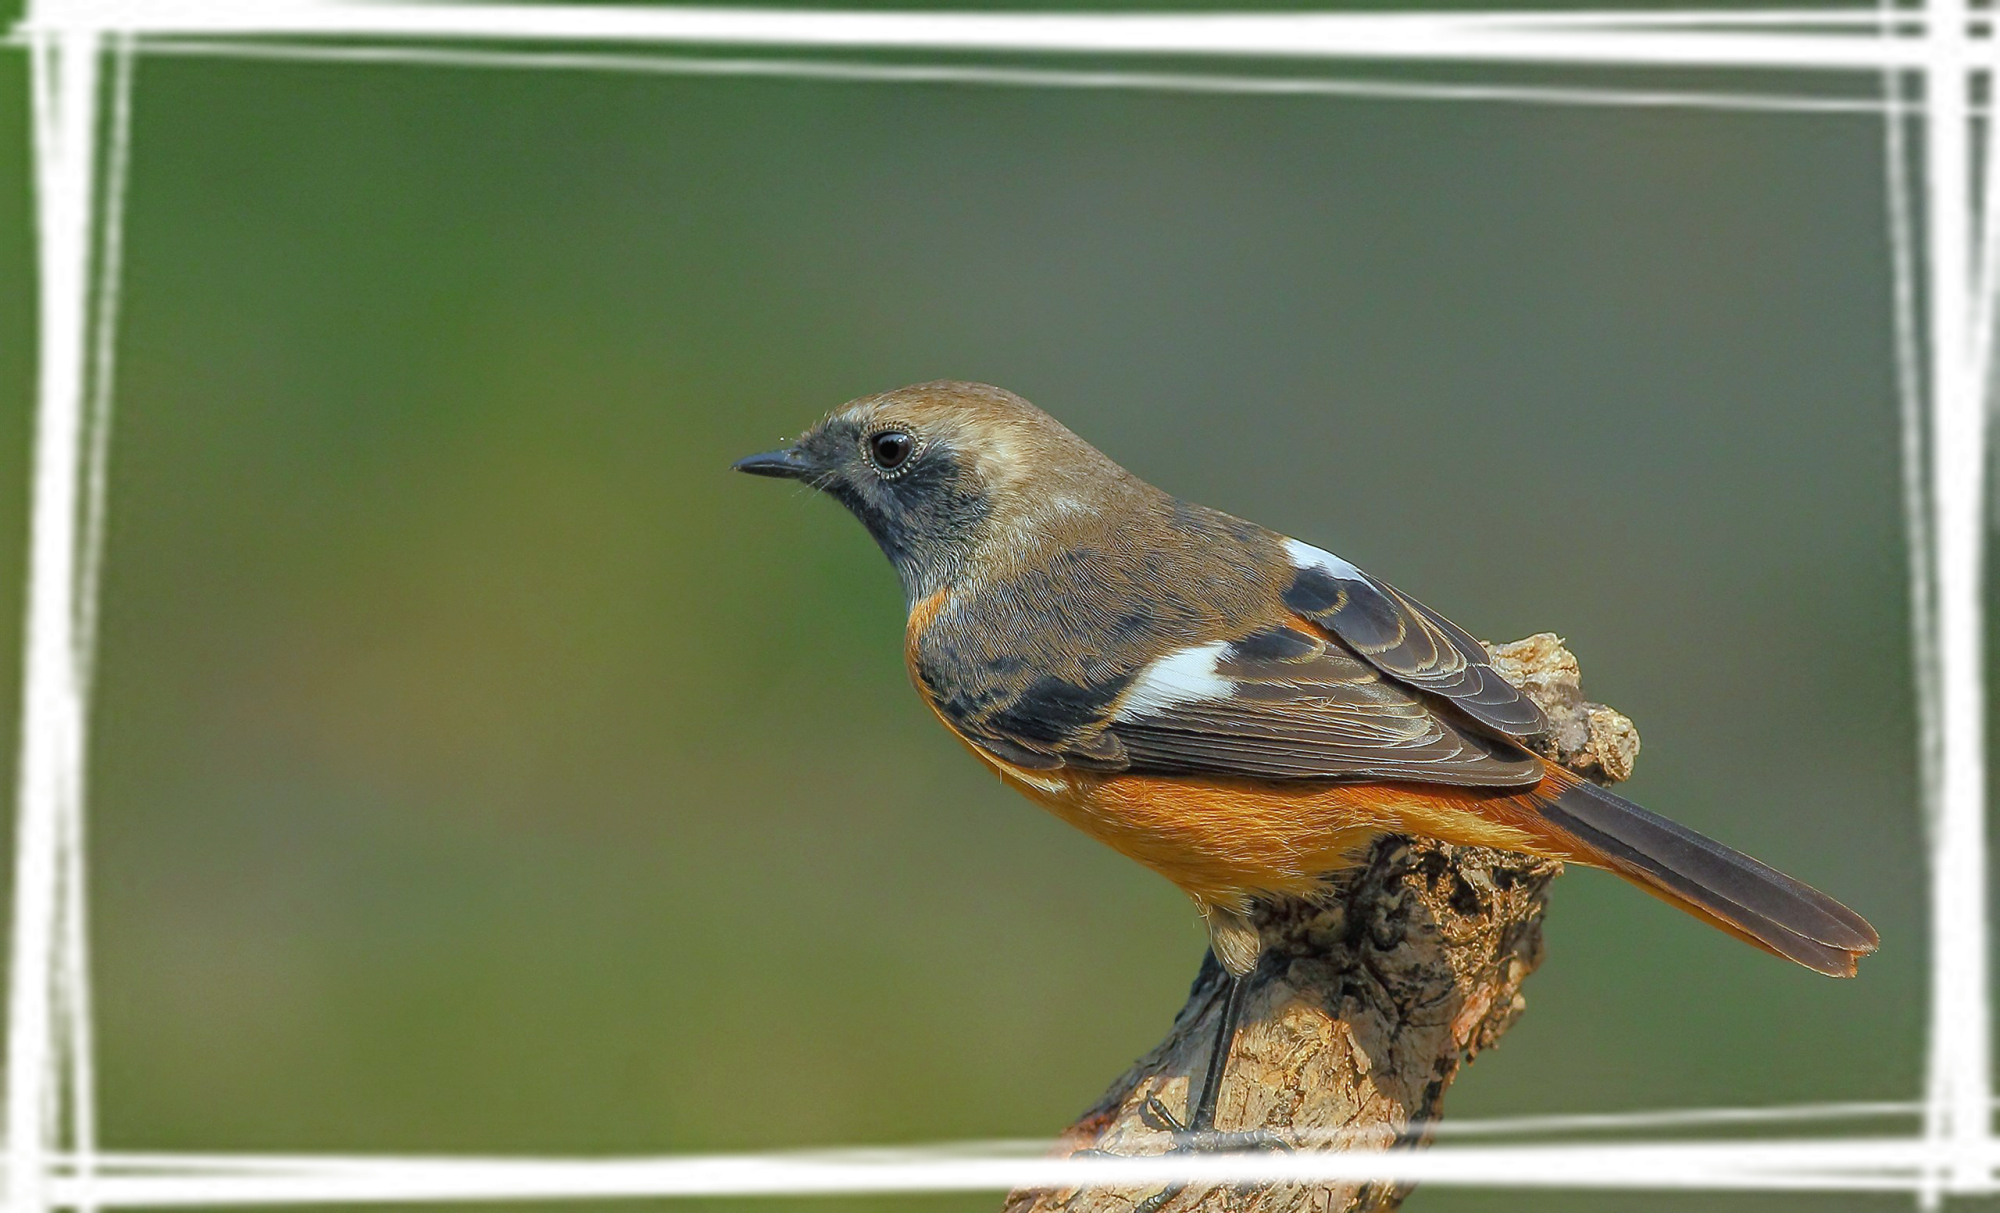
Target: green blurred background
[(479, 766)]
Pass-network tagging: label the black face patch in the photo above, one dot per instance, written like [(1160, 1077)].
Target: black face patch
[(921, 517)]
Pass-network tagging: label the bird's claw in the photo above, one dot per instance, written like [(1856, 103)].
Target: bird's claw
[(1161, 1118)]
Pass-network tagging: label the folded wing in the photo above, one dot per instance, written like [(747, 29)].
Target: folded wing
[(1283, 704), (1277, 703), (1406, 640)]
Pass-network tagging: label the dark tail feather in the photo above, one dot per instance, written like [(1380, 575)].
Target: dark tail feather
[(1750, 900)]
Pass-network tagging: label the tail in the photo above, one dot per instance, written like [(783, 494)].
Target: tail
[(1750, 900)]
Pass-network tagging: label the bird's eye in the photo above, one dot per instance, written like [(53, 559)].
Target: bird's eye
[(891, 449)]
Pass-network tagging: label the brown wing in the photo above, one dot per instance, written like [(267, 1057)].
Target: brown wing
[(1282, 704), (1407, 640), (1275, 704)]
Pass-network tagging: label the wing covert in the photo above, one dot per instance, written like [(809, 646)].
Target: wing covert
[(1278, 703), (1281, 704), (1407, 640)]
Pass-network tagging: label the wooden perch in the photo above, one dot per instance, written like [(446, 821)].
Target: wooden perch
[(1367, 1002)]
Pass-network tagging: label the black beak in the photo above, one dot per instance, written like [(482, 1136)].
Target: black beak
[(788, 464)]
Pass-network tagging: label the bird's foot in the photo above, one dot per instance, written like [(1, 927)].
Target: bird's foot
[(1158, 1116), (1207, 1139), (1190, 1141)]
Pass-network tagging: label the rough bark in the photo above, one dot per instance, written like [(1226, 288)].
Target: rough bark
[(1367, 1002)]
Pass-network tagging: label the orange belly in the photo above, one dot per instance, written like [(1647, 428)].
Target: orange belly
[(1222, 839)]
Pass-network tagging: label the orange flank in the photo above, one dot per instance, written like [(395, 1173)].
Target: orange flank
[(1223, 839)]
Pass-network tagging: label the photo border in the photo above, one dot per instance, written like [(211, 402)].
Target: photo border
[(1945, 238)]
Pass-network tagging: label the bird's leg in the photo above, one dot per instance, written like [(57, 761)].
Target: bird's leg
[(1201, 1125), (1199, 1131), (1236, 945), (1234, 950)]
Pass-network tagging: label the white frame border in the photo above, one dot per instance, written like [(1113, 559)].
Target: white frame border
[(51, 1158)]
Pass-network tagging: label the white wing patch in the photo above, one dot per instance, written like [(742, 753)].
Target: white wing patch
[(1182, 676), (1306, 556)]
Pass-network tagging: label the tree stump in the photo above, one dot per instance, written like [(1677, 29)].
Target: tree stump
[(1367, 1001)]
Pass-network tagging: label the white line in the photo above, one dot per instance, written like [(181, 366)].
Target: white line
[(1852, 17), (1401, 36), (1913, 431), (1824, 1165), (47, 965), (1849, 17), (1960, 1084), (104, 330), (204, 1163), (1013, 77), (1986, 278), (1863, 16), (64, 83), (78, 1045), (1677, 1118)]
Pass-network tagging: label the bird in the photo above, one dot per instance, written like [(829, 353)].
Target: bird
[(1238, 710)]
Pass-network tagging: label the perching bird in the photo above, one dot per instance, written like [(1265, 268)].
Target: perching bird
[(1239, 711)]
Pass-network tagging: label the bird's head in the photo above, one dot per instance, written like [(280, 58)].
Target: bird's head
[(945, 473)]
